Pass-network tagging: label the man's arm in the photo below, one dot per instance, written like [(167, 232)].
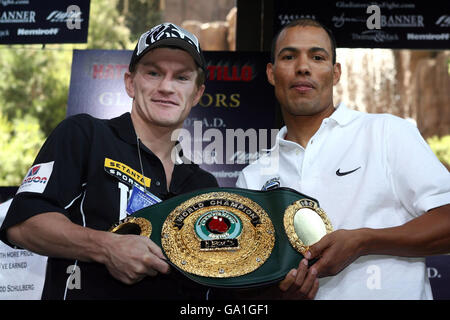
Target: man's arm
[(426, 235), (129, 258)]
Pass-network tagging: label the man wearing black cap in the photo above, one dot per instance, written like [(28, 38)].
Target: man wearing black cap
[(85, 173)]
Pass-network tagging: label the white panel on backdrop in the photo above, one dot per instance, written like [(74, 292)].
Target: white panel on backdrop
[(22, 272)]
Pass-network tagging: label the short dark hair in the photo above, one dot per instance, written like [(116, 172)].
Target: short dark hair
[(305, 22)]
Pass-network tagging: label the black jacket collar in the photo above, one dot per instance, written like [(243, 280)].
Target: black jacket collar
[(123, 126)]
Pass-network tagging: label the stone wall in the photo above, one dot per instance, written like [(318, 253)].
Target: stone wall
[(178, 11), (430, 95), (216, 35), (412, 84)]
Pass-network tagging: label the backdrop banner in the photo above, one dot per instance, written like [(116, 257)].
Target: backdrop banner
[(37, 21), (410, 24), (233, 121), (22, 272)]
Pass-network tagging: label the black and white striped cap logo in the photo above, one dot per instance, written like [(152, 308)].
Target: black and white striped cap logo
[(165, 31)]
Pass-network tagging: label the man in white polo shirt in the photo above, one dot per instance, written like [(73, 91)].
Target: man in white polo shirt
[(383, 189)]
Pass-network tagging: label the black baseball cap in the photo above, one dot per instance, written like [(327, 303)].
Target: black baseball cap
[(168, 35)]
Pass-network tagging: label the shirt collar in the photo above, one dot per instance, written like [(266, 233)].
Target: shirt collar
[(123, 126), (283, 142), (342, 116), (280, 141)]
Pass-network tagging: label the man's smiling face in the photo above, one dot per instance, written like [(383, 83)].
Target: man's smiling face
[(163, 87)]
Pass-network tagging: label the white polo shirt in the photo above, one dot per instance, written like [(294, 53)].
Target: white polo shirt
[(366, 170)]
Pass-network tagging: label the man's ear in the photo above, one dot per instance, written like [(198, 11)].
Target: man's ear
[(199, 94), (269, 73), (128, 78), (336, 73)]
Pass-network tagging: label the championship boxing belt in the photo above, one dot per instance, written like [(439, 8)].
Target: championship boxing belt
[(232, 237)]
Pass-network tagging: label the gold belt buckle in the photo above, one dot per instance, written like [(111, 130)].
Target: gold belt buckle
[(218, 235)]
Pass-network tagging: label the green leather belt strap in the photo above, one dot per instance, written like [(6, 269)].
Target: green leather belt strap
[(228, 237)]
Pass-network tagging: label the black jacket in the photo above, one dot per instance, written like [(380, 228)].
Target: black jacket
[(86, 170)]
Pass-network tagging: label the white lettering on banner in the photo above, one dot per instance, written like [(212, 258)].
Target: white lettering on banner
[(37, 32), (71, 16), (443, 21), (402, 21), (114, 99), (429, 36), (375, 35), (388, 5), (287, 18), (433, 273), (339, 21), (14, 2), (374, 280), (18, 17), (214, 122)]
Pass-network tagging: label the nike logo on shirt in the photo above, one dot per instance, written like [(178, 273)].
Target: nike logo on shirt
[(340, 174)]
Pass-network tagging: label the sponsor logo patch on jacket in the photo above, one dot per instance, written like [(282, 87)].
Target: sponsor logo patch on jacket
[(37, 178), (126, 174)]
